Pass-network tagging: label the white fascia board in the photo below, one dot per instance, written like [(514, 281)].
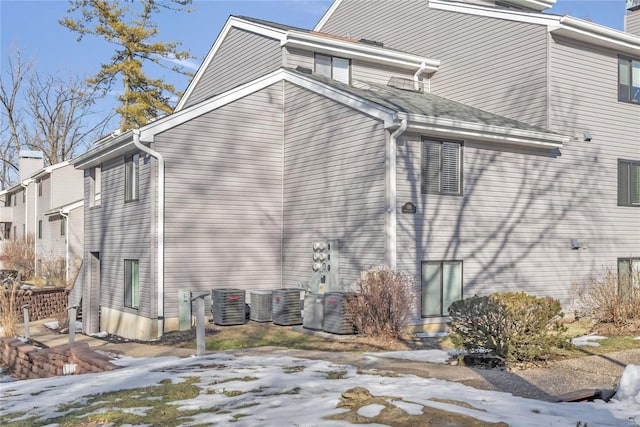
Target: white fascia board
[(599, 35), (327, 15), (362, 51), (461, 129), (104, 151), (538, 5), (491, 12), (50, 169), (232, 22), (149, 131)]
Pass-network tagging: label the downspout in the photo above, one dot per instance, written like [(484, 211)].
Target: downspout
[(392, 209), (416, 76), (66, 244), (160, 253)]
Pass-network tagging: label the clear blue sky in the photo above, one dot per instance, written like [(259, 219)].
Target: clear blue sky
[(32, 26)]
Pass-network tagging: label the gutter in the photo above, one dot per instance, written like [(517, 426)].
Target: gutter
[(160, 231), (392, 194)]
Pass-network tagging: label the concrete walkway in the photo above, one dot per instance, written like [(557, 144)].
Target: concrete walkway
[(589, 372)]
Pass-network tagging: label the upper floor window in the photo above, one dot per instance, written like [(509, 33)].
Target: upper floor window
[(629, 80), (333, 67), (39, 188), (63, 225), (24, 196), (131, 177), (441, 167), (628, 183), (95, 186)]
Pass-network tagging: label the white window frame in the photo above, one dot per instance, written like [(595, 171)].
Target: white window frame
[(335, 71), (132, 283)]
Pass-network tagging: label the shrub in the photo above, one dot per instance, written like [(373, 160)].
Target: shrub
[(383, 303), (19, 255), (513, 326), (11, 300), (608, 298)]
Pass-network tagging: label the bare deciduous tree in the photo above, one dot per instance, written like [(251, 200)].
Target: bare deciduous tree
[(52, 115)]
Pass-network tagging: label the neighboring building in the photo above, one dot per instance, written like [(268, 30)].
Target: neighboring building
[(47, 204), (480, 162)]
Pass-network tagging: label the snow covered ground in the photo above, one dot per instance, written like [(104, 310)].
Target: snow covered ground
[(285, 391)]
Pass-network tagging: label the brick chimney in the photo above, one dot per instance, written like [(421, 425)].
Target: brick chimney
[(30, 162), (632, 18)]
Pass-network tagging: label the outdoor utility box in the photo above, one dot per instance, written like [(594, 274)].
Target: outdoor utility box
[(324, 266), (261, 306), (184, 309), (286, 307), (228, 306), (336, 319), (313, 314)]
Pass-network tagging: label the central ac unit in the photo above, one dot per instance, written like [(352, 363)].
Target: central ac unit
[(286, 307), (228, 306)]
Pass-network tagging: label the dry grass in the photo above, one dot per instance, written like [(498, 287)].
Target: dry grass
[(11, 299)]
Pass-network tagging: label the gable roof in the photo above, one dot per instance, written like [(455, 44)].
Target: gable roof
[(567, 26), (319, 42), (424, 113)]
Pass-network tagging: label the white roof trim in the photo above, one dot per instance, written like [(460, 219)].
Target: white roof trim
[(327, 15), (360, 51), (463, 129), (568, 26), (148, 131), (598, 35), (492, 12), (317, 42), (50, 169), (538, 5)]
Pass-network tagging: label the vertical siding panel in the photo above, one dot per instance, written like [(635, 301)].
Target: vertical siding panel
[(224, 198), (334, 185), (242, 57)]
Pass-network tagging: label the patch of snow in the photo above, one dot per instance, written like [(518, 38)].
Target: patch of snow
[(52, 325), (99, 335), (629, 387), (408, 407), (637, 338), (432, 356), (588, 340), (370, 411), (275, 390), (432, 334)]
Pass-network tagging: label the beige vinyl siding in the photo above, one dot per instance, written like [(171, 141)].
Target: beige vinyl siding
[(511, 228), (223, 218), (334, 185), (584, 97), (294, 57), (66, 186), (632, 22), (119, 231), (242, 57), (476, 53)]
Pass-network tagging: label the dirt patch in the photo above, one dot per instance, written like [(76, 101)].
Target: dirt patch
[(390, 414)]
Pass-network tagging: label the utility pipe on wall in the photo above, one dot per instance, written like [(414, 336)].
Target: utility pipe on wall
[(392, 209), (160, 254)]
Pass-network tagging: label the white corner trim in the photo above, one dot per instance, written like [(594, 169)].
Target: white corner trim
[(349, 49), (327, 15), (232, 22), (459, 128)]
